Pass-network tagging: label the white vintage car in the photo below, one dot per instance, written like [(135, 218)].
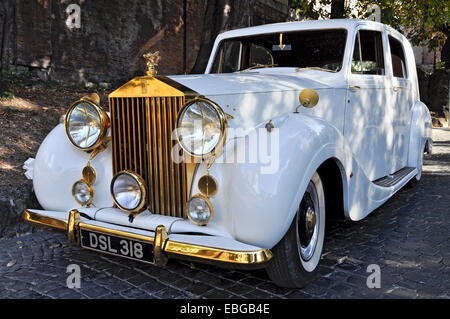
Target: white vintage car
[(240, 166)]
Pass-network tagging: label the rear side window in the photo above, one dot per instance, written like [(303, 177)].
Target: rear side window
[(368, 53), (398, 58)]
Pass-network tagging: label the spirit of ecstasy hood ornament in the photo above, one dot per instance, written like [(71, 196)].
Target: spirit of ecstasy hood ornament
[(152, 61)]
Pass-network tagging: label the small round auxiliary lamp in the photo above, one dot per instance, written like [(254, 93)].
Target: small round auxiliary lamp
[(307, 98)]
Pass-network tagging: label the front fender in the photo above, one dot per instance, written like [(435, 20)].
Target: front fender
[(58, 166), (256, 204)]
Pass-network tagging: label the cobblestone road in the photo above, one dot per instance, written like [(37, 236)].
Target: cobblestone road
[(408, 237)]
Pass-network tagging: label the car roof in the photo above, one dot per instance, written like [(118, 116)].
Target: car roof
[(299, 25)]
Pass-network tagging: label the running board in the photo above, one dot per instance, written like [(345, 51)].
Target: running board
[(391, 180)]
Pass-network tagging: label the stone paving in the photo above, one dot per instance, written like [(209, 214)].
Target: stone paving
[(408, 238)]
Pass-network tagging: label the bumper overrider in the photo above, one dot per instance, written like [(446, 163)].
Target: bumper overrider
[(158, 244)]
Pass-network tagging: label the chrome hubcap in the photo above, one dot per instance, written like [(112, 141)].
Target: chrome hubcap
[(308, 225), (310, 219)]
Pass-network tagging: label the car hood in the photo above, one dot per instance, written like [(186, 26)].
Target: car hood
[(253, 98), (257, 82)]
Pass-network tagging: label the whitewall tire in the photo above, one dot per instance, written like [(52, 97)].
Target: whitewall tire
[(297, 255)]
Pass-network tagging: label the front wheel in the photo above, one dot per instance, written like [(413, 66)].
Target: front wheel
[(297, 255)]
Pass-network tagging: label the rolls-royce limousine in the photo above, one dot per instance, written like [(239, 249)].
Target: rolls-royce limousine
[(290, 124)]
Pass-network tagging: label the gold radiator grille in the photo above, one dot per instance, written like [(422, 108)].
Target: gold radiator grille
[(141, 129)]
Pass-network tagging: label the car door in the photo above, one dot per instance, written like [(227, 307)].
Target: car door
[(368, 119), (401, 100)]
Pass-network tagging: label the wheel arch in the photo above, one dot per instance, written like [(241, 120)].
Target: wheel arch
[(332, 175)]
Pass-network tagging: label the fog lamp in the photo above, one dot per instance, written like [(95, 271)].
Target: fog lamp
[(128, 191), (82, 193), (199, 210)]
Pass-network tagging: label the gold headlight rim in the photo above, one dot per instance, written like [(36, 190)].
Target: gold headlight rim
[(91, 193), (142, 204), (223, 124), (211, 208), (104, 123)]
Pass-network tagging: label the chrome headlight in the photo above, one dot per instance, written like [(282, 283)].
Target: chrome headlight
[(199, 210), (128, 191), (86, 123), (201, 127)]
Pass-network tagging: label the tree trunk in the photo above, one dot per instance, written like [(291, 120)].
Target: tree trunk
[(220, 15), (7, 26), (6, 36), (445, 52), (337, 9)]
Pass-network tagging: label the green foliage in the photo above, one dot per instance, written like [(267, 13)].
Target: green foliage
[(13, 78), (7, 95), (305, 9), (50, 84), (440, 64), (424, 22)]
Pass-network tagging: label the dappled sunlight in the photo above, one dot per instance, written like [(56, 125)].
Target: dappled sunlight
[(8, 167), (3, 151), (331, 107), (405, 264), (433, 164), (6, 163), (8, 157), (21, 104), (434, 168), (24, 123)]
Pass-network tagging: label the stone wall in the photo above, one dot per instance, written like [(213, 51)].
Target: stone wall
[(112, 35), (423, 56)]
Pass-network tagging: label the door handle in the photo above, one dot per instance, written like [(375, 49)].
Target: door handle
[(354, 87), (396, 88)]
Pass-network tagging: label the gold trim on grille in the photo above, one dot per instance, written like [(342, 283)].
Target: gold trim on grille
[(143, 116)]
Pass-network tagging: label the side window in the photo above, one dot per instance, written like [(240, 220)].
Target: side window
[(229, 57), (368, 53), (398, 58)]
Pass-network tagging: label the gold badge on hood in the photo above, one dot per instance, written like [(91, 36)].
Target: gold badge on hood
[(152, 61)]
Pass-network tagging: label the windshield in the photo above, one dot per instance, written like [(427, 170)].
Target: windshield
[(300, 49)]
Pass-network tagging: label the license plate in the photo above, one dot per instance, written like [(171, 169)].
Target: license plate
[(116, 245)]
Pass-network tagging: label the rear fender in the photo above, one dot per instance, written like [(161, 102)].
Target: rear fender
[(420, 134)]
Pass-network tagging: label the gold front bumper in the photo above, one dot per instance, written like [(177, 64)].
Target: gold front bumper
[(163, 246)]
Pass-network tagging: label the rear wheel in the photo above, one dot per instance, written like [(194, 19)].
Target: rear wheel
[(297, 255)]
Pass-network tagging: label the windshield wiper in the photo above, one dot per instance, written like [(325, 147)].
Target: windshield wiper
[(315, 68), (259, 66)]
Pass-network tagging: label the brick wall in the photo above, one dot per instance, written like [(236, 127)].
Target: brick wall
[(113, 35), (270, 11)]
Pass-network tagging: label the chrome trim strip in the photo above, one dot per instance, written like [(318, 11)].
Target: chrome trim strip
[(35, 218)]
